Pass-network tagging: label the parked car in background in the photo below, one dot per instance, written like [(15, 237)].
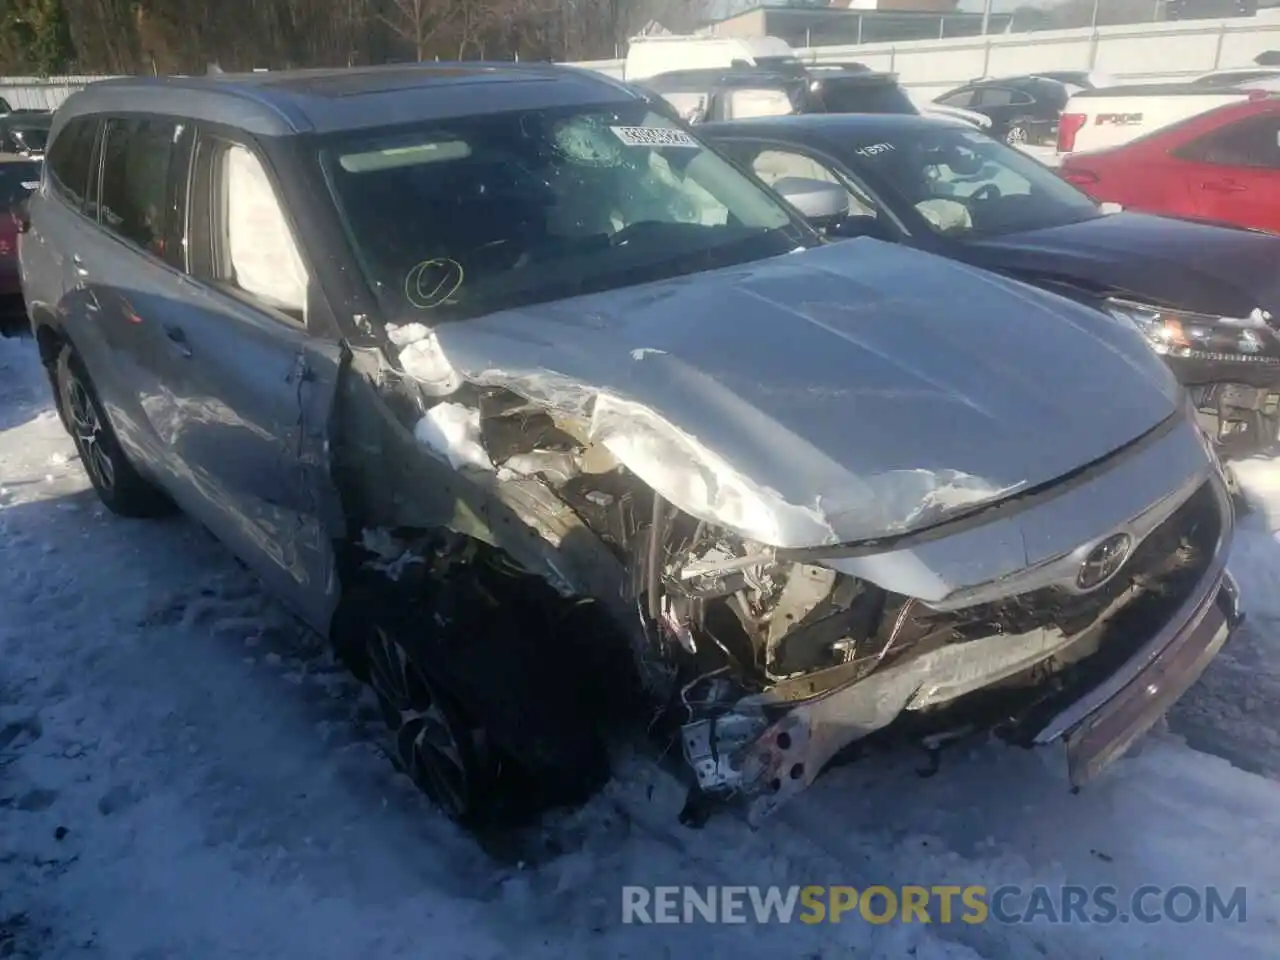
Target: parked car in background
[(745, 91), (25, 133), (528, 399), (1237, 77), (19, 176), (1080, 79), (1113, 116), (1207, 298), (649, 56), (1222, 165), (1023, 110)]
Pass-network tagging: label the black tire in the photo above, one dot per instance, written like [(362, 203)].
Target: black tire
[(119, 486), (433, 741), (522, 722)]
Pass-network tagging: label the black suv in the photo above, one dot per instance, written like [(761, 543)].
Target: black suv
[(1023, 110), (741, 92)]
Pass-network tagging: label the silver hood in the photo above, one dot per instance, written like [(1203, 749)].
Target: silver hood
[(878, 387)]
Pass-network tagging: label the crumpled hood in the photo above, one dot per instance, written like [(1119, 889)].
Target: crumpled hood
[(1178, 263), (881, 387)]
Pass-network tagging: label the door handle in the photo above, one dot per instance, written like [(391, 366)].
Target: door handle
[(1224, 186), (178, 337)]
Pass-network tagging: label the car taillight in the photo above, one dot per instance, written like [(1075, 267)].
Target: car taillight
[(1079, 178), (1069, 124)]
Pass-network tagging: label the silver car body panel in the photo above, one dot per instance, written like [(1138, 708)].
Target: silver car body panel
[(874, 389)]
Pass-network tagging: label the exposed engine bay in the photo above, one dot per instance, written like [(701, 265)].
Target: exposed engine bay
[(726, 634)]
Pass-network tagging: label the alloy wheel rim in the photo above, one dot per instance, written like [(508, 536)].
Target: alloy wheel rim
[(87, 429), (426, 741), (1016, 135)]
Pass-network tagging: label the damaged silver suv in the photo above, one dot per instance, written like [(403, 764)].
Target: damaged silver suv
[(542, 411)]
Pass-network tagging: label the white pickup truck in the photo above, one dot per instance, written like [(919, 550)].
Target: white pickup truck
[(1111, 116)]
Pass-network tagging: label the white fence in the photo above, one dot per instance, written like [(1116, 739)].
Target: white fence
[(1131, 53), (1134, 53)]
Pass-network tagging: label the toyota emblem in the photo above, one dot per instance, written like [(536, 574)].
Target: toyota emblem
[(1104, 561)]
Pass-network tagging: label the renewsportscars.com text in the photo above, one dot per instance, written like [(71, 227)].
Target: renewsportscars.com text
[(934, 904)]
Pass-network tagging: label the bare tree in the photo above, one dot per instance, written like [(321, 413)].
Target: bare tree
[(417, 21)]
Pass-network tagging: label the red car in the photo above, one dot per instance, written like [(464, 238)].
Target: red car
[(1223, 165), (18, 177)]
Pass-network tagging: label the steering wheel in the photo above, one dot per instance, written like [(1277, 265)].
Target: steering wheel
[(633, 230), (988, 191)]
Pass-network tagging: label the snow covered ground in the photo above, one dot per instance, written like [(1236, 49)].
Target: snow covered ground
[(184, 773)]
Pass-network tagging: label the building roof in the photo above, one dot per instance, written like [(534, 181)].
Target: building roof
[(325, 100)]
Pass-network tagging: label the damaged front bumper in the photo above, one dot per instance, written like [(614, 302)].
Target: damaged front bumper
[(769, 758), (1104, 723)]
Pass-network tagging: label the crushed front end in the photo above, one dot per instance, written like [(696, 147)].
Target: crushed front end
[(1039, 655)]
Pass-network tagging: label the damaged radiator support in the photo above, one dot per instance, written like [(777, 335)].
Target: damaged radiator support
[(765, 659)]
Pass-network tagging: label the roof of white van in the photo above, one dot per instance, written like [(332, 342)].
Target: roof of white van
[(756, 46)]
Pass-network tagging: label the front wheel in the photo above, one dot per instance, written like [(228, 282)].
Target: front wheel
[(446, 756), (119, 486)]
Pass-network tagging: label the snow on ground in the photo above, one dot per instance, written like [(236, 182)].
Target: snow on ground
[(185, 773)]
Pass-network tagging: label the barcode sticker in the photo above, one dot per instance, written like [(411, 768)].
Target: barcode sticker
[(654, 137)]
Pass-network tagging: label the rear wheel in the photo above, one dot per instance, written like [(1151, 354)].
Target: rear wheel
[(1018, 133), (119, 486)]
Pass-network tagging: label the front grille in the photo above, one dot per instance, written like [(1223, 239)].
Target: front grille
[(1166, 570), (1168, 562)]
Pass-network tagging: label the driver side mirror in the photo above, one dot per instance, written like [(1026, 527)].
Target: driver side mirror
[(822, 203)]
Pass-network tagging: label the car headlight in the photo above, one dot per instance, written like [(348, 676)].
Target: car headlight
[(698, 481), (1169, 332)]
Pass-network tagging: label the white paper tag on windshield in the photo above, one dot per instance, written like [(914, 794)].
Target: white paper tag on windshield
[(654, 137)]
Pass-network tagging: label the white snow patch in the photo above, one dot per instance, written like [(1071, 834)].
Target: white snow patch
[(422, 358), (639, 353), (453, 430)]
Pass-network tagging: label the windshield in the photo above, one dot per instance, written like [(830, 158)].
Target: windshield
[(33, 139), (965, 185), (459, 218)]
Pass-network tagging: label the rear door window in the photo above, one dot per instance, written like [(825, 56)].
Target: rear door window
[(995, 97), (137, 159), (70, 162), (962, 99), (1254, 142), (743, 103)]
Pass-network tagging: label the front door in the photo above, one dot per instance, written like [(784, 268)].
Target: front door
[(259, 386), (1233, 173), (236, 391)]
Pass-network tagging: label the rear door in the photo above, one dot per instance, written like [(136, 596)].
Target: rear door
[(1232, 174), (132, 271), (246, 389)]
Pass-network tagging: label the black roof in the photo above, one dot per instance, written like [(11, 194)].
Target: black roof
[(293, 101)]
